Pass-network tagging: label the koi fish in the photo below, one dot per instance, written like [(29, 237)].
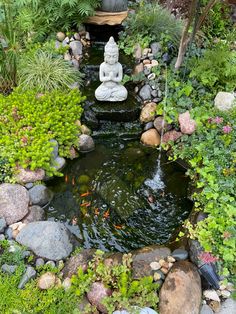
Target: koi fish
[(66, 178), (85, 204), (118, 227), (85, 194), (106, 214), (73, 181)]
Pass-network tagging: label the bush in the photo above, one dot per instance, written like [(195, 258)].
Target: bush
[(150, 22), (28, 122), (43, 72)]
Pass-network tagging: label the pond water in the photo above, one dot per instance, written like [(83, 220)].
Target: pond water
[(116, 199)]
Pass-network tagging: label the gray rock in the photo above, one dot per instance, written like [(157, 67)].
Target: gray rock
[(29, 185), (146, 70), (3, 225), (154, 93), (14, 201), (59, 163), (29, 274), (228, 307), (145, 92), (60, 36), (47, 239), (8, 269), (86, 143), (55, 148), (39, 262), (57, 44), (137, 52), (75, 63), (148, 126), (9, 233), (27, 175), (26, 253), (51, 263), (180, 254), (156, 47), (76, 36), (36, 213), (2, 237), (97, 293), (40, 195), (225, 101), (206, 309), (76, 47)]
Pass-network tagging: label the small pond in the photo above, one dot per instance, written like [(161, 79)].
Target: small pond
[(115, 198)]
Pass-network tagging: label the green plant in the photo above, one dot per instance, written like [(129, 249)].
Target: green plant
[(28, 122), (150, 22), (5, 170), (43, 72), (216, 69)]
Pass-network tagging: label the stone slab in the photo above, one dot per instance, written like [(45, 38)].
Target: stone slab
[(109, 18)]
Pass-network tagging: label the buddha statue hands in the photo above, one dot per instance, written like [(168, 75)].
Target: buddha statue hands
[(111, 74)]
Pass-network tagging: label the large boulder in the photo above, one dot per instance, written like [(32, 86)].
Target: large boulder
[(151, 138), (148, 112), (181, 292), (40, 195), (26, 175), (142, 259), (47, 239), (225, 101), (14, 202), (187, 125)]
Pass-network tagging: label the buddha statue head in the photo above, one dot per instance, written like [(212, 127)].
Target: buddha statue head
[(111, 54)]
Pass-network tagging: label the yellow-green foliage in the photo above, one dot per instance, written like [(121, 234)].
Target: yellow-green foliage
[(28, 122)]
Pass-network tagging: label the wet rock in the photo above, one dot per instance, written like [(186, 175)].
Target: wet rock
[(96, 294), (148, 112), (181, 291), (8, 269), (225, 101), (228, 307), (206, 309), (36, 213), (145, 92), (151, 138), (172, 135), (59, 163), (187, 125), (90, 118), (144, 257), (55, 146), (180, 254), (27, 175), (29, 274), (47, 239), (86, 143), (60, 36), (79, 260), (76, 47), (148, 126), (40, 195), (159, 124), (14, 201), (47, 281), (3, 225), (166, 58)]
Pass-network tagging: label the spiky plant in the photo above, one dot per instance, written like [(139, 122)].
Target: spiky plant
[(44, 72)]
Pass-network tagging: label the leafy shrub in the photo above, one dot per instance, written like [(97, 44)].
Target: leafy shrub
[(28, 122), (213, 171), (216, 69), (43, 72), (5, 170), (151, 22)]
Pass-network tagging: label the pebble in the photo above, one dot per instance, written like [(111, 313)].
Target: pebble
[(9, 269), (180, 254), (66, 284), (154, 63), (146, 61), (26, 253), (15, 226), (51, 263), (2, 237), (225, 294), (46, 281), (29, 274), (29, 185), (211, 295), (156, 276), (170, 259), (161, 262), (39, 262), (15, 233), (151, 76), (3, 224), (215, 306), (230, 287), (164, 270), (155, 266)]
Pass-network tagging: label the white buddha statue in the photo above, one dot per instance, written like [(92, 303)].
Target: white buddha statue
[(110, 74)]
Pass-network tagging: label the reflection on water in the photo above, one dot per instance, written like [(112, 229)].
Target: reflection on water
[(117, 198)]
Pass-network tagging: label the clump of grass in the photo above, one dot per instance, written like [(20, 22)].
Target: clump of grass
[(44, 72)]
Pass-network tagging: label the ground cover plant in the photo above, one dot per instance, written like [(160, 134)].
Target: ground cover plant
[(28, 121)]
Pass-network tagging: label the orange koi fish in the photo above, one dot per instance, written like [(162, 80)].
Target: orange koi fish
[(96, 211), (85, 194), (85, 204), (118, 227), (66, 178), (73, 181), (106, 214)]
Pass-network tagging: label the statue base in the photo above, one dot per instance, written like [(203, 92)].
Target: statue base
[(107, 18)]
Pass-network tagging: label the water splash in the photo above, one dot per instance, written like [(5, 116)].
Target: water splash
[(156, 183)]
